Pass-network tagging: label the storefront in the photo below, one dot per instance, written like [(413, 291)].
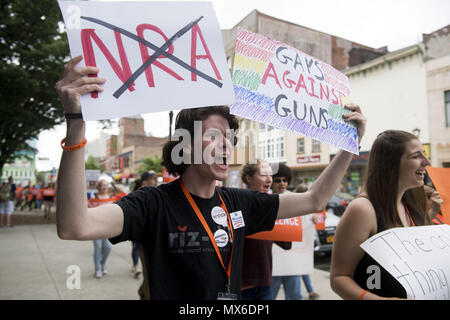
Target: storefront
[(355, 175)]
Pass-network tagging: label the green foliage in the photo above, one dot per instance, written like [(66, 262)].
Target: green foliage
[(150, 164), (92, 164), (40, 177), (32, 55)]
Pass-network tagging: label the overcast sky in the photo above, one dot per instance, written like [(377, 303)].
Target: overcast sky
[(392, 23)]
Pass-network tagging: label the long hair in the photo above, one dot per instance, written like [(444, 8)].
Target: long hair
[(382, 180), (185, 120)]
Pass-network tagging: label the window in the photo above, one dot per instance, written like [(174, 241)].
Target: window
[(261, 149), (280, 147), (447, 108), (315, 145), (271, 149), (301, 145), (242, 126)]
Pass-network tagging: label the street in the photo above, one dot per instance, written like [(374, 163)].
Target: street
[(36, 265)]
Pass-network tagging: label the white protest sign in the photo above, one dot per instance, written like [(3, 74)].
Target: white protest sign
[(92, 175), (284, 87), (300, 258), (418, 257), (156, 56)]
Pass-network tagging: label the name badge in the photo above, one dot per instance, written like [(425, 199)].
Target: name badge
[(237, 219)]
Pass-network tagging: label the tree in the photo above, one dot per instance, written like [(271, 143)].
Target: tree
[(150, 164), (92, 164), (32, 54)]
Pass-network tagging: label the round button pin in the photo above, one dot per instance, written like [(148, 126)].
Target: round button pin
[(221, 238), (219, 216)]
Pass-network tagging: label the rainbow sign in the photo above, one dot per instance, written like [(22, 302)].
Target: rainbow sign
[(286, 88)]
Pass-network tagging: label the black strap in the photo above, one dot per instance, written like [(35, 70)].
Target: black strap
[(73, 115)]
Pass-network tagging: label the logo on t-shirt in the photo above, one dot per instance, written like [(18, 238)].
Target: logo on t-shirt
[(237, 219)]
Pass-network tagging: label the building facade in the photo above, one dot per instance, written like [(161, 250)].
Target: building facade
[(392, 92), (409, 89), (125, 152), (23, 169), (437, 46)]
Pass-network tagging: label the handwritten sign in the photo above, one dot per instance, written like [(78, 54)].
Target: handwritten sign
[(284, 230), (441, 180), (418, 257), (300, 258), (92, 175), (156, 56), (288, 89)]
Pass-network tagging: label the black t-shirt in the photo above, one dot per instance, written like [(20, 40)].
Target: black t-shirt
[(182, 263), (389, 286)]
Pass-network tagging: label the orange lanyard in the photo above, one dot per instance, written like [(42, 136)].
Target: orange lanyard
[(409, 215), (208, 230)]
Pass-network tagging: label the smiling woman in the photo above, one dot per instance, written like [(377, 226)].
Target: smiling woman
[(394, 197)]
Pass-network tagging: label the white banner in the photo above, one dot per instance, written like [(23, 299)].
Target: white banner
[(156, 56), (300, 258), (418, 257)]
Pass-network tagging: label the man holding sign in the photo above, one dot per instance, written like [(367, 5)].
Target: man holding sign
[(192, 231)]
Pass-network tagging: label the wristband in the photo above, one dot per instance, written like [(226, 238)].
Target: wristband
[(74, 147), (73, 115), (361, 295)]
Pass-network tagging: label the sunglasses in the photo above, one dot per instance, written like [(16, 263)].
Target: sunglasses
[(279, 180)]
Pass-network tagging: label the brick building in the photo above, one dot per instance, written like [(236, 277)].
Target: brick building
[(125, 151)]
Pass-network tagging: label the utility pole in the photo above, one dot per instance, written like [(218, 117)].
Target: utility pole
[(170, 124)]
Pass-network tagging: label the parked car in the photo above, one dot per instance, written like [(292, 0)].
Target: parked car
[(339, 202), (323, 239)]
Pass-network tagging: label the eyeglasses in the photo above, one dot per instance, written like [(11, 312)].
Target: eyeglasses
[(279, 180)]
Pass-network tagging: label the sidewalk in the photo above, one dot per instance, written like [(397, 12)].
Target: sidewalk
[(34, 262)]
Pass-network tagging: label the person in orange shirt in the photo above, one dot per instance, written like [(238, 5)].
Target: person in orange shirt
[(29, 197), (48, 195), (102, 247), (118, 192), (39, 190), (19, 195)]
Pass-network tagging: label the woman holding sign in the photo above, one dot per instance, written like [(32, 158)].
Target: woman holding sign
[(393, 197)]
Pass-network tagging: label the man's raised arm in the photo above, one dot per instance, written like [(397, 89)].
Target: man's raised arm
[(73, 219), (317, 197)]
